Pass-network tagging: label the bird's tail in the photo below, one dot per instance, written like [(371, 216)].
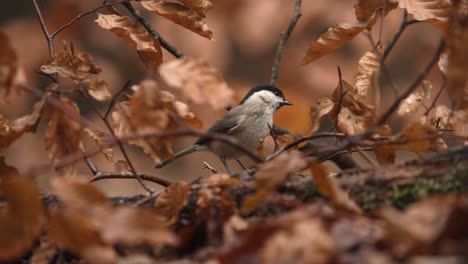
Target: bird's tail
[(178, 155)]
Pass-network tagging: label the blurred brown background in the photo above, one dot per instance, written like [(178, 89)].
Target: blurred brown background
[(246, 34)]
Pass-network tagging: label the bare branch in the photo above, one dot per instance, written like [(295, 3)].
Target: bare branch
[(50, 40), (129, 175), (284, 38), (165, 44), (115, 98)]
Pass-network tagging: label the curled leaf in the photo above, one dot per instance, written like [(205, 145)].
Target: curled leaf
[(98, 88), (369, 64), (180, 15), (198, 81), (74, 64), (136, 36), (322, 107), (435, 12)]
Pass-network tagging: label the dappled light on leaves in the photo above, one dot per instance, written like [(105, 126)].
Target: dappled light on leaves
[(151, 110), (198, 81), (184, 16), (22, 217), (134, 35)]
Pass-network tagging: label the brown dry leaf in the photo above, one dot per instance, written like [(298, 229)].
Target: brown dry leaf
[(73, 231), (459, 122), (22, 217), (136, 36), (98, 88), (365, 9), (329, 188), (198, 81), (369, 64), (271, 175), (416, 99), (12, 130), (420, 224), (456, 39), (150, 110), (305, 241), (134, 226), (356, 116), (385, 154), (172, 200), (180, 15), (74, 64), (339, 35), (322, 107), (199, 6), (284, 140), (63, 132), (435, 12), (440, 117), (78, 193), (100, 138), (215, 206), (8, 65), (419, 138)]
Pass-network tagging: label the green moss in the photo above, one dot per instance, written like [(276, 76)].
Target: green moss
[(372, 196)]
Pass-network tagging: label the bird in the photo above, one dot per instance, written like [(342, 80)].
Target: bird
[(249, 122)]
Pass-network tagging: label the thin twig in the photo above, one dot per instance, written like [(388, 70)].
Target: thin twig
[(165, 44), (129, 175), (284, 38), (115, 98), (209, 167), (79, 16), (50, 43), (340, 99), (94, 170), (393, 41), (434, 102), (413, 86), (274, 137), (366, 157)]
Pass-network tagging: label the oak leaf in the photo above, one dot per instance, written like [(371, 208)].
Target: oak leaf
[(136, 36), (22, 217), (198, 81), (180, 15)]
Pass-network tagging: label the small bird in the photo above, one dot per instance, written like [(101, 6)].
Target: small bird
[(249, 122)]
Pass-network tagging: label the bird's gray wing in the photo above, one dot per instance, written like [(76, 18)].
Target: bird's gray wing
[(229, 124)]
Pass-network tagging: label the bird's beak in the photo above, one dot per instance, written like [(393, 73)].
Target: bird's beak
[(286, 102)]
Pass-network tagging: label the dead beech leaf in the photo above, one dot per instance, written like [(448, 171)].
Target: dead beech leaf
[(460, 122), (271, 175), (199, 6), (385, 154), (295, 244), (198, 81), (352, 123), (435, 12), (329, 188), (369, 64), (136, 36), (172, 200), (73, 231), (8, 65), (79, 193), (150, 110), (339, 35), (98, 88), (419, 138), (63, 132), (365, 9), (322, 107), (22, 217), (75, 65), (12, 130), (416, 99), (100, 138), (180, 15)]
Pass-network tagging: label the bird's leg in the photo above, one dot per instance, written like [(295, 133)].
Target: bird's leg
[(223, 160), (241, 164)]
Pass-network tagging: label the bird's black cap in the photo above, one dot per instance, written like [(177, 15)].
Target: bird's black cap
[(259, 88)]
